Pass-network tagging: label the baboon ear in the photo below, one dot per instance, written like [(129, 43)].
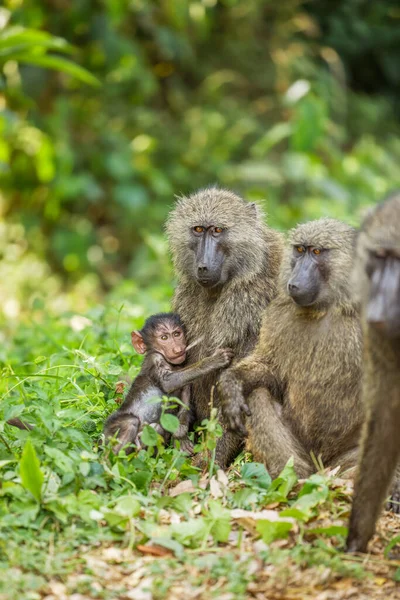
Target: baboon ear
[(253, 210), (137, 342)]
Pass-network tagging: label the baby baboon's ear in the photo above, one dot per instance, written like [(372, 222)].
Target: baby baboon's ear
[(138, 342)]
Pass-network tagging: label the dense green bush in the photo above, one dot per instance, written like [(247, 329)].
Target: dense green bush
[(268, 98)]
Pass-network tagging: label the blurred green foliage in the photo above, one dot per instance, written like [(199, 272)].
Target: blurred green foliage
[(290, 103)]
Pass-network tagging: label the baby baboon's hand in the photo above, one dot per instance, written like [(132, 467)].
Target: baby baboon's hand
[(233, 405), (223, 357)]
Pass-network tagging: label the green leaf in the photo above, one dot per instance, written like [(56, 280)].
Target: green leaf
[(393, 542), (149, 436), (128, 506), (169, 422), (84, 468), (29, 468), (220, 520), (256, 474), (329, 530), (273, 530), (61, 461), (59, 64), (16, 39), (190, 532), (305, 504), (286, 480)]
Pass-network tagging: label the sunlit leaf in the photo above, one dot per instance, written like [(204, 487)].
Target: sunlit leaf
[(30, 472)]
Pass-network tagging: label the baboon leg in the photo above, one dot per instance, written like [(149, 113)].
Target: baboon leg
[(375, 472), (228, 447), (270, 439)]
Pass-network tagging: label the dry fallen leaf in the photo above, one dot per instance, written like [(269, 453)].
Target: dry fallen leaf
[(154, 550), (182, 487), (120, 387), (215, 488)]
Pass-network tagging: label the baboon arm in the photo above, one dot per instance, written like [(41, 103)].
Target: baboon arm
[(270, 439), (380, 456), (236, 383), (174, 380)]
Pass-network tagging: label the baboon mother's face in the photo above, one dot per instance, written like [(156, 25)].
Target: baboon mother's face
[(208, 242)]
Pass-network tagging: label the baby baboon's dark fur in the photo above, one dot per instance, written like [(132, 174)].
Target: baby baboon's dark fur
[(229, 313), (306, 364), (377, 279)]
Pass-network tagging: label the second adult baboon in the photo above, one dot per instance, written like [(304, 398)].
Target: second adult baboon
[(227, 262), (307, 362), (377, 274)]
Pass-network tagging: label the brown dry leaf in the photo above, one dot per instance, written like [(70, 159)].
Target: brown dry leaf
[(222, 477), (154, 550), (120, 387), (215, 488), (203, 483), (380, 580), (182, 487)]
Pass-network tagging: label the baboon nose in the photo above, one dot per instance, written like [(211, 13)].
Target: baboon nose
[(293, 288), (202, 269)]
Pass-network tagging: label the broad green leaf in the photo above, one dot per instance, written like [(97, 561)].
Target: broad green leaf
[(128, 506), (246, 497), (305, 504), (61, 461), (3, 463), (219, 519), (273, 530), (256, 474), (31, 475), (149, 436), (59, 64), (191, 532), (169, 422)]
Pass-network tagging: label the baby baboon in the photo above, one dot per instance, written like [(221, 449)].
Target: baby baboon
[(227, 262), (307, 362), (162, 340), (377, 274)]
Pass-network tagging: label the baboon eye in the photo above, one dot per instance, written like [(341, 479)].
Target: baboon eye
[(176, 334), (198, 229), (317, 251), (218, 230), (164, 337), (300, 249)]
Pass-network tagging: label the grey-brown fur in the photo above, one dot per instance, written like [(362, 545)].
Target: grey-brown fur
[(230, 314), (302, 381), (380, 234)]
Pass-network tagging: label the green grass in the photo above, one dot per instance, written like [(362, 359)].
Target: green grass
[(63, 500)]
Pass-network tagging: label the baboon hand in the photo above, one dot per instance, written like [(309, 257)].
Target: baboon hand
[(222, 357), (233, 405)]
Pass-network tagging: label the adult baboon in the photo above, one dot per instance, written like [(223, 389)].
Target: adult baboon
[(307, 362), (227, 262), (377, 275)]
